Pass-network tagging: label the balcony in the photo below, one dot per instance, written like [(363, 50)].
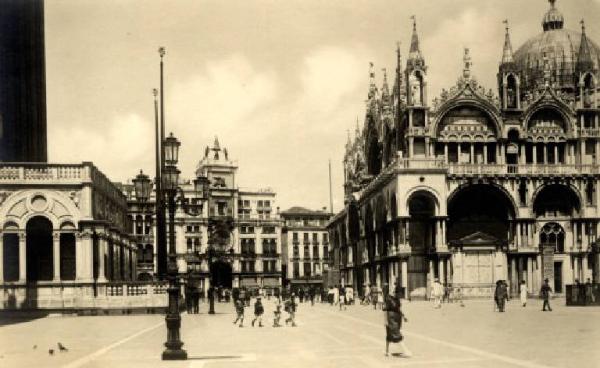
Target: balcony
[(459, 169), (589, 132)]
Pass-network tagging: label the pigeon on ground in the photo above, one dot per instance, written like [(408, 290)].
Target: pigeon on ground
[(61, 347), (51, 351), (34, 347)]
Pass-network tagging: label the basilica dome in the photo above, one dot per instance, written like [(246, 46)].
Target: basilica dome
[(556, 46)]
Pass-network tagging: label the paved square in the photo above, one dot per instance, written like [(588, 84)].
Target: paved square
[(473, 336)]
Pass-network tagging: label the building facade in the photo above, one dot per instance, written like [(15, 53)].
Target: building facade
[(64, 236), (248, 255), (306, 245), (474, 188)]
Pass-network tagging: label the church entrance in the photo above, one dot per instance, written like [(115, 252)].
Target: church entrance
[(220, 273)]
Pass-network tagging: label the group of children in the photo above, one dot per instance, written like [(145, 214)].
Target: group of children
[(259, 310)]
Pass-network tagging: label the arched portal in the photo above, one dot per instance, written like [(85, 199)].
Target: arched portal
[(479, 208), (39, 249), (556, 200), (421, 208), (220, 273)]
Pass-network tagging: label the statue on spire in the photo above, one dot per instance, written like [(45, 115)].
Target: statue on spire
[(467, 62)]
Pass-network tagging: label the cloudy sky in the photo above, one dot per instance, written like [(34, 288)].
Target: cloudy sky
[(279, 82)]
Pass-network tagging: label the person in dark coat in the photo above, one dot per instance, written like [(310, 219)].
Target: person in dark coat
[(545, 292), (239, 309), (195, 299), (501, 295), (393, 322)]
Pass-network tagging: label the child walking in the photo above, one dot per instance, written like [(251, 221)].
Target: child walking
[(239, 308), (258, 312)]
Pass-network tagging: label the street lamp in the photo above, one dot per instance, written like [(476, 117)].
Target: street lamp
[(142, 187), (174, 194)]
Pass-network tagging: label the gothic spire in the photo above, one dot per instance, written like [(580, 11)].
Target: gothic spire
[(507, 52), (415, 52), (385, 91), (584, 58)]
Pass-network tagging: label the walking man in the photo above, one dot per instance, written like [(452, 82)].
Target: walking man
[(277, 313), (437, 292), (290, 307), (545, 292)]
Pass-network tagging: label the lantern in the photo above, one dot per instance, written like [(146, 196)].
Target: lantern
[(170, 178), (142, 187), (171, 150)]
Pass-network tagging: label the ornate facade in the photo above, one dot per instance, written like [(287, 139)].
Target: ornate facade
[(247, 254), (478, 186), (64, 233)]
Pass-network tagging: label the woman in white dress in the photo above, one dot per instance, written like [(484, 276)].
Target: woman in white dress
[(523, 292)]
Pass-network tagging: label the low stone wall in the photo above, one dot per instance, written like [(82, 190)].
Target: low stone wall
[(84, 296)]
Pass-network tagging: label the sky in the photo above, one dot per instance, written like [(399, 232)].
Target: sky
[(279, 82)]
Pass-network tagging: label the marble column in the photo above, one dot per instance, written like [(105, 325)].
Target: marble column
[(576, 269), (446, 152), (485, 153), (534, 154), (472, 153), (555, 154), (101, 261), (83, 257), (545, 154), (22, 257), (458, 153), (405, 276), (56, 255), (441, 271), (530, 274)]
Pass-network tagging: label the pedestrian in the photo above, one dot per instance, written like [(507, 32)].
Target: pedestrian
[(545, 292), (277, 313), (349, 295), (258, 312), (523, 293), (188, 299), (380, 297), (393, 322), (311, 295), (301, 295), (589, 292), (342, 298), (373, 296), (290, 308), (239, 308), (500, 295), (195, 299), (437, 292)]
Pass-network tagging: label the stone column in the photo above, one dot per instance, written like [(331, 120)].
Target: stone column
[(545, 154), (83, 257), (56, 255), (428, 151), (22, 257), (521, 153), (458, 153), (472, 153), (534, 154), (446, 152), (101, 255), (441, 270), (485, 153), (513, 272), (411, 143), (444, 232), (405, 276), (555, 154), (530, 274), (584, 269), (576, 268), (1, 257)]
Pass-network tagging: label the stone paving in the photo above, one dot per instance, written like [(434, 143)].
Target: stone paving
[(454, 336)]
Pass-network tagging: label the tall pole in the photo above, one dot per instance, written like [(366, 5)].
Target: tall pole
[(159, 213), (160, 208), (330, 194)]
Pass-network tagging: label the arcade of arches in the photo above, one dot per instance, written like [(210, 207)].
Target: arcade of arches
[(484, 236)]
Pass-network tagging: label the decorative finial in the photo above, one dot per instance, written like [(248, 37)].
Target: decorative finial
[(582, 22), (552, 2), (162, 51), (414, 19), (505, 21), (154, 92)]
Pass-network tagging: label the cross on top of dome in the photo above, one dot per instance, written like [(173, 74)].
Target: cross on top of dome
[(553, 19)]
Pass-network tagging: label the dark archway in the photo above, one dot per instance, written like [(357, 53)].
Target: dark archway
[(39, 249), (67, 256), (479, 208), (11, 256), (556, 200), (220, 273), (374, 153), (421, 208)]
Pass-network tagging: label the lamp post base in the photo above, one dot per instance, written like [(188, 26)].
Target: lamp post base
[(174, 354)]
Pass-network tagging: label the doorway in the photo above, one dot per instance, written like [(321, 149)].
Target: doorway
[(220, 273), (558, 277)]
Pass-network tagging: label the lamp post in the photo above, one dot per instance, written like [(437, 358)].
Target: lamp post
[(174, 194)]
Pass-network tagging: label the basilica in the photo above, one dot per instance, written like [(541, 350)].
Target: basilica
[(476, 185)]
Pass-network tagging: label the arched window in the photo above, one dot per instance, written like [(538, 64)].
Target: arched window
[(67, 256), (511, 92)]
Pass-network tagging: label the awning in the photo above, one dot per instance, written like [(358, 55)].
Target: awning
[(271, 282), (248, 282)]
